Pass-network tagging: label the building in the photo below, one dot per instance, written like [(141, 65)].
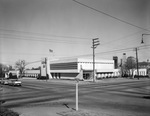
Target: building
[(70, 68), (13, 72), (142, 72), (144, 69), (31, 73)]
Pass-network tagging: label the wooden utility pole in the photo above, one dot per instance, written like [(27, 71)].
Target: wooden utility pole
[(95, 44), (137, 66)]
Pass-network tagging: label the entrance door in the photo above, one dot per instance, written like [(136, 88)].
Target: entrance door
[(87, 75)]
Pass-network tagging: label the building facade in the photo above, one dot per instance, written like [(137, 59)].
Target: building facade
[(70, 68)]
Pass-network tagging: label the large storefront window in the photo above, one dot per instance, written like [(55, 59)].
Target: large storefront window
[(64, 66)]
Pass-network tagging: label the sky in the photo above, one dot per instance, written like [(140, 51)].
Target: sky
[(29, 28)]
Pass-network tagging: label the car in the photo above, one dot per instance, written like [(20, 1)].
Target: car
[(4, 81), (14, 82), (1, 80)]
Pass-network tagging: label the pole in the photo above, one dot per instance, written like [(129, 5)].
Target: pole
[(46, 68), (137, 63), (93, 62), (77, 96), (95, 44)]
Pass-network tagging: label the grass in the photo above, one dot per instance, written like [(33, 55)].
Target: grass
[(7, 112)]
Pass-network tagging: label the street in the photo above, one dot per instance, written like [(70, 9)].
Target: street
[(117, 98)]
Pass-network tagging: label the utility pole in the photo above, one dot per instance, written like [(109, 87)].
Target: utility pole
[(95, 44), (137, 62)]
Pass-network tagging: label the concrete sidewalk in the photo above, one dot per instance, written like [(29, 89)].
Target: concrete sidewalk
[(58, 111)]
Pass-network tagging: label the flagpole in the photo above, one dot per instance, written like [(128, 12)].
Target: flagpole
[(49, 70)]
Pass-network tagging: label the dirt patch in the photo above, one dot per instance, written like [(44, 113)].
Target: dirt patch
[(81, 113)]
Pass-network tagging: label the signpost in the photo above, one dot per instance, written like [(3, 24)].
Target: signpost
[(77, 106), (78, 78)]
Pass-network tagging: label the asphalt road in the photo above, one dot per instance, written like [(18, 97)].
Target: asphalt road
[(130, 98)]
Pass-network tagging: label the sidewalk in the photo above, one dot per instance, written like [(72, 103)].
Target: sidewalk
[(58, 110)]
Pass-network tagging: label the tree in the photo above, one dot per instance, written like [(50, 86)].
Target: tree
[(1, 70), (130, 65), (127, 68), (20, 65), (4, 69)]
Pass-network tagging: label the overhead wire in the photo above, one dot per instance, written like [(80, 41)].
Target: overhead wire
[(49, 39), (14, 53), (79, 56), (27, 63), (123, 38), (41, 34), (79, 37), (43, 37), (120, 20), (106, 52), (102, 53), (42, 40), (118, 50)]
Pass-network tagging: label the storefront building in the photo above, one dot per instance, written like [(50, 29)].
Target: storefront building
[(70, 68)]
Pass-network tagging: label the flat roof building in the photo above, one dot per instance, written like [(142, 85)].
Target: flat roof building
[(70, 68)]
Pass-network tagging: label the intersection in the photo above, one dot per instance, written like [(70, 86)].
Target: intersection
[(118, 97)]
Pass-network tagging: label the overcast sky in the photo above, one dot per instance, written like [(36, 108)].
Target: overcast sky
[(29, 28)]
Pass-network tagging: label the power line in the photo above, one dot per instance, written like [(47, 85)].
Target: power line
[(112, 51), (33, 62), (122, 38), (42, 39), (46, 38), (41, 34), (21, 53), (54, 41), (125, 49), (123, 21)]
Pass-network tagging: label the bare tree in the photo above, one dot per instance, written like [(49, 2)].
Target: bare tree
[(20, 65), (130, 65)]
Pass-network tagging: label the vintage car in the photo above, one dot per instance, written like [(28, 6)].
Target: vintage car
[(14, 82), (4, 81)]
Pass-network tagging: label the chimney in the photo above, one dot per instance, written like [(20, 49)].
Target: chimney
[(115, 58), (124, 58)]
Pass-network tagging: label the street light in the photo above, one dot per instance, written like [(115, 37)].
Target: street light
[(142, 38)]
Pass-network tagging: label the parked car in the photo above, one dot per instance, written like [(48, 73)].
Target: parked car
[(14, 82), (1, 80), (4, 81)]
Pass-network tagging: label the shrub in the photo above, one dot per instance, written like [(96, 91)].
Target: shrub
[(7, 112)]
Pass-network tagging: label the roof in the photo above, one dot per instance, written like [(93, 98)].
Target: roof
[(81, 60)]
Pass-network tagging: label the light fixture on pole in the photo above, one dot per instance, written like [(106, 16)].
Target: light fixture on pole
[(142, 38)]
